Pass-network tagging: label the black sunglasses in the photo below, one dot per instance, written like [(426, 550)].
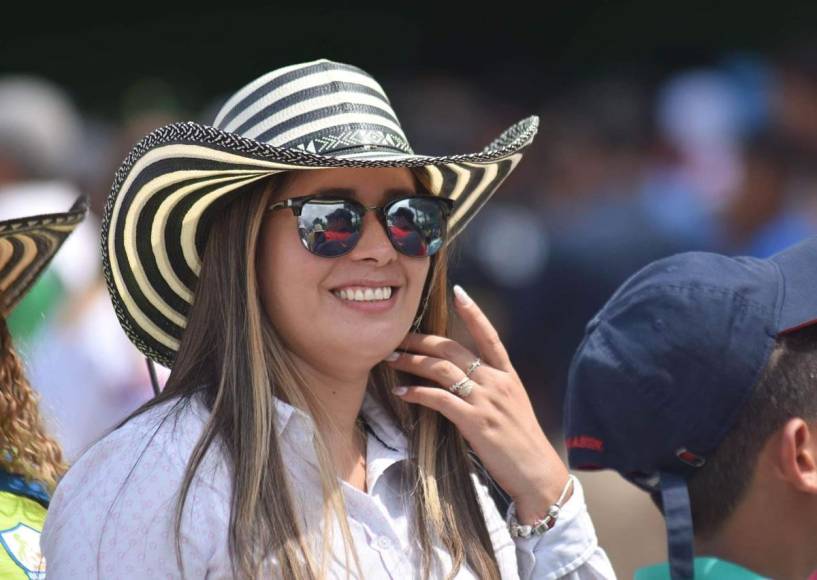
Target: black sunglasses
[(331, 227)]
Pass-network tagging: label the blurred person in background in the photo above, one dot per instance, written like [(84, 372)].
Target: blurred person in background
[(794, 122), (762, 217), (31, 461), (87, 372), (40, 134)]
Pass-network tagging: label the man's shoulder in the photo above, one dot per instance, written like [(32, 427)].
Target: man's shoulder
[(705, 567)]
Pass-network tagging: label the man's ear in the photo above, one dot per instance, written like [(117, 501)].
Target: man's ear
[(796, 457)]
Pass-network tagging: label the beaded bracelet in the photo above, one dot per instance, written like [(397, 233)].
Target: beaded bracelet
[(539, 527)]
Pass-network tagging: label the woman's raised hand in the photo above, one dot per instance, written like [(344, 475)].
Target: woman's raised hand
[(496, 417)]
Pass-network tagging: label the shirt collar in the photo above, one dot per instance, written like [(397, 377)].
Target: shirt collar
[(384, 427), (387, 446), (291, 421)]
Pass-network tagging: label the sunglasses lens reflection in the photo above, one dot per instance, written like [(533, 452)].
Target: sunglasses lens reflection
[(329, 229), (416, 226)]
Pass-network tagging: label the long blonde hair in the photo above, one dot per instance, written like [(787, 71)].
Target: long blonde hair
[(25, 447), (233, 356)]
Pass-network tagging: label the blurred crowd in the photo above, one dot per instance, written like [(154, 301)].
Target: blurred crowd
[(625, 169)]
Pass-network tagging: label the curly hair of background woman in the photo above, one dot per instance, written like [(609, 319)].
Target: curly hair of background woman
[(26, 448)]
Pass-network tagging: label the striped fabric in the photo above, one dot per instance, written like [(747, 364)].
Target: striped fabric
[(321, 107), (314, 115), (27, 245)]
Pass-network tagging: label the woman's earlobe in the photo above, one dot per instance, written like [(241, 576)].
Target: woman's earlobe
[(798, 454)]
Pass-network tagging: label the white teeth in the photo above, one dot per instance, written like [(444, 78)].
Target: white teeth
[(364, 294)]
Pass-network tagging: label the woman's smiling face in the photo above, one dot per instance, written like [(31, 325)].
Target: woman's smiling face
[(307, 297)]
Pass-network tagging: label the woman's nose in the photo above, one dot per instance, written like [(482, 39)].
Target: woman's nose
[(374, 243)]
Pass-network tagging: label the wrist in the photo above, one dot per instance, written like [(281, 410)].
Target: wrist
[(521, 527), (534, 505)]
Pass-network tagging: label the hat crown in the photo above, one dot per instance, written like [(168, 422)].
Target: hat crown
[(322, 107)]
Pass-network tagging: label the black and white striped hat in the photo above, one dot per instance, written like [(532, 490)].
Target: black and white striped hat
[(314, 115), (27, 245)]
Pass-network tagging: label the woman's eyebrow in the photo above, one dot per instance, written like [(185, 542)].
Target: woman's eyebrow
[(398, 192), (349, 193), (334, 192)]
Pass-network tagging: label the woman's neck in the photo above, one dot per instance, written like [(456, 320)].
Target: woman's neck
[(341, 398)]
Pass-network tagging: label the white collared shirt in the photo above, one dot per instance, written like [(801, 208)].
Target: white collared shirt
[(112, 515)]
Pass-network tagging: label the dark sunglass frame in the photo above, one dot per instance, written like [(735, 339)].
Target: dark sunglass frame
[(296, 204)]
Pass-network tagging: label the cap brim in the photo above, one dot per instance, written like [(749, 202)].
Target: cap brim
[(798, 302)]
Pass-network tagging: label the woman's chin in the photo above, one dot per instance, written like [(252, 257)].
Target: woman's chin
[(369, 350)]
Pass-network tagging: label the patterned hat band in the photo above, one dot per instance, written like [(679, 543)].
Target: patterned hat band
[(314, 115)]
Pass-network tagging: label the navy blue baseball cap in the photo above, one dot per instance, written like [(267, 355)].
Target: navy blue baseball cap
[(668, 363)]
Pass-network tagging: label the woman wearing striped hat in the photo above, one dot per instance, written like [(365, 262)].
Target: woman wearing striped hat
[(30, 460), (289, 264)]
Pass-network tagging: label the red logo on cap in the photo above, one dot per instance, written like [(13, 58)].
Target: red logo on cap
[(689, 457), (585, 442)]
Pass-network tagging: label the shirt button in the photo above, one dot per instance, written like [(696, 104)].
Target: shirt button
[(384, 543)]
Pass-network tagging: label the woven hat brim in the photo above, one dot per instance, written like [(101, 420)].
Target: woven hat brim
[(27, 246), (176, 178)]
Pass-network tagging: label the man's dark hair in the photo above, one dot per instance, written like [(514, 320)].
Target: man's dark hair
[(786, 389)]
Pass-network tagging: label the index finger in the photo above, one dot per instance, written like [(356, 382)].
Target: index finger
[(483, 332)]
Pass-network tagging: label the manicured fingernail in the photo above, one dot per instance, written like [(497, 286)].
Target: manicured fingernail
[(462, 295), (392, 357), (399, 390)]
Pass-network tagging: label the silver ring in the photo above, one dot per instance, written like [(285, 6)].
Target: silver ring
[(462, 388), (474, 366)]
